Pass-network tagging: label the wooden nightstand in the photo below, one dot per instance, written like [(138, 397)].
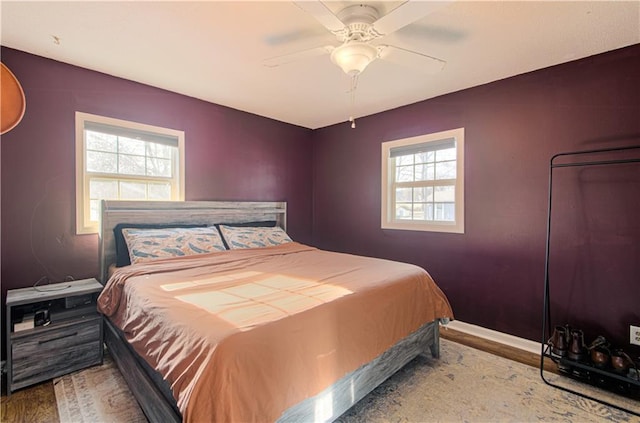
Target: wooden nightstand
[(70, 338)]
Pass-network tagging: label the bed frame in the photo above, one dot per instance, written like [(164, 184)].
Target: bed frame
[(153, 394)]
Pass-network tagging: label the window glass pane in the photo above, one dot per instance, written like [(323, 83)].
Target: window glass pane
[(103, 189), (131, 165), (403, 211), (101, 142), (158, 150), (445, 194), (159, 191), (420, 172), (447, 154), (423, 194), (404, 160), (450, 212), (424, 172), (94, 210), (404, 173), (133, 190), (131, 146), (445, 211), (426, 157), (158, 167), (102, 162), (429, 211), (403, 195), (446, 170), (418, 211), (438, 211)]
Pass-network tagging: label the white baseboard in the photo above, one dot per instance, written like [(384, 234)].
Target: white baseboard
[(492, 335)]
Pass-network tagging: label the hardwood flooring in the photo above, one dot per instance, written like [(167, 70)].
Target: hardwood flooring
[(37, 404), (496, 348)]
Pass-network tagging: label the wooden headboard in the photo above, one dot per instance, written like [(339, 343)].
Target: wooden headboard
[(175, 212)]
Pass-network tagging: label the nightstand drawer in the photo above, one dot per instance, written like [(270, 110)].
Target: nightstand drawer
[(54, 352), (53, 363), (44, 343)]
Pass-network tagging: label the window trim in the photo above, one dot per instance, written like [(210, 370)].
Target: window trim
[(82, 187), (387, 219)]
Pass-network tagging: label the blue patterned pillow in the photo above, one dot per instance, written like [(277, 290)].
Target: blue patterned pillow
[(122, 252), (149, 244), (237, 237)]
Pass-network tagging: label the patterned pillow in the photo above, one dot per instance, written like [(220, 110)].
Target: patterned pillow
[(149, 244), (238, 237), (122, 252)]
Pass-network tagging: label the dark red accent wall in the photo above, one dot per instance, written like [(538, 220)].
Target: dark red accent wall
[(493, 274), (230, 155)]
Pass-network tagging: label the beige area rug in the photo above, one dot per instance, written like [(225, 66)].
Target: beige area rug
[(96, 395), (464, 385), (469, 385)]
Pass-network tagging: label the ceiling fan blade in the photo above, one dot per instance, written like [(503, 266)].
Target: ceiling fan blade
[(405, 14), (298, 35), (322, 14), (296, 56), (413, 59)]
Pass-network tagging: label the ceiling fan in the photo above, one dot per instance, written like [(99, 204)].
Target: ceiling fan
[(359, 28)]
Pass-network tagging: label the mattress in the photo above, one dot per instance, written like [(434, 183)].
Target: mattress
[(242, 335)]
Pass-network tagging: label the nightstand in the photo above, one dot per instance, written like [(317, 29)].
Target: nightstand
[(52, 330)]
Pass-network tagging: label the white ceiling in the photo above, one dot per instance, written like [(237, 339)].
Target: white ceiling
[(214, 51)]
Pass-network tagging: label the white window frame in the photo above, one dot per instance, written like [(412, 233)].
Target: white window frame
[(388, 220), (84, 225)]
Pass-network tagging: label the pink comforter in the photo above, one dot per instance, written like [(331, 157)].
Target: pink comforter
[(243, 335)]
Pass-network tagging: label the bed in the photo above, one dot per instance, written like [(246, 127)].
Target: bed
[(284, 332)]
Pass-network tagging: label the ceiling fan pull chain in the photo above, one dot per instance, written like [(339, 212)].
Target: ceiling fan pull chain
[(352, 92)]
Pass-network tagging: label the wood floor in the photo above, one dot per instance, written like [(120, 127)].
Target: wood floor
[(37, 404), (497, 348)]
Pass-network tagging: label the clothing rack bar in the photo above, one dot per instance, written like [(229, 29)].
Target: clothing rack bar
[(598, 150), (599, 162)]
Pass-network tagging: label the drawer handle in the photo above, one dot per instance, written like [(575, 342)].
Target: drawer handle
[(60, 337)]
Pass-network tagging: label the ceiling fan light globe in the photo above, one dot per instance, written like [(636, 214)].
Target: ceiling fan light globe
[(354, 57)]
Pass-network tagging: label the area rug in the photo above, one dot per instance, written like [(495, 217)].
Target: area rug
[(469, 385), (96, 395), (464, 385)]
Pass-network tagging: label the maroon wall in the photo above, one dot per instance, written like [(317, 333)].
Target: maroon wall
[(493, 274), (230, 155)]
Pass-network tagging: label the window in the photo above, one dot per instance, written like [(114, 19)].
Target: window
[(423, 183), (121, 160)]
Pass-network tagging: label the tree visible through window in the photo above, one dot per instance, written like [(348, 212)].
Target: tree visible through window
[(120, 160), (422, 182)]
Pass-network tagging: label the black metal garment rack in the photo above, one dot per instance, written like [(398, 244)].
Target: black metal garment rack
[(590, 372)]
